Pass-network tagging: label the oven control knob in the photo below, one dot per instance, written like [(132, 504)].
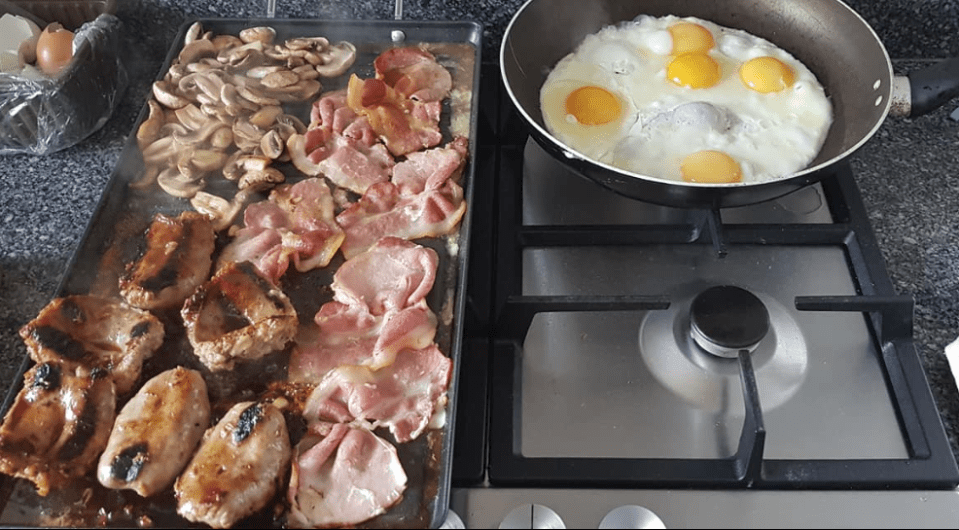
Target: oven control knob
[(630, 516), (532, 516)]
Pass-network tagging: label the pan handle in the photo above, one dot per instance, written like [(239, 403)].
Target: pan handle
[(926, 90)]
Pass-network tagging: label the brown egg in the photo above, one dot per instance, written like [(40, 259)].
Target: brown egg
[(54, 48)]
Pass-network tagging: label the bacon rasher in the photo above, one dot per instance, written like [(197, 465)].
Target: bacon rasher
[(422, 200), (295, 225)]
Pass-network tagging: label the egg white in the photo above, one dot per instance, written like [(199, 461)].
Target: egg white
[(769, 135)]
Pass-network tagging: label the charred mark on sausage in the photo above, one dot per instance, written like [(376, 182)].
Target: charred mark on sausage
[(86, 426), (247, 422), (62, 343), (127, 464), (165, 277), (47, 376), (140, 329)]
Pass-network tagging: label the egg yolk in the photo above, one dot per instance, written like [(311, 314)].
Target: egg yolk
[(592, 105), (713, 167), (766, 74), (694, 70), (689, 38)]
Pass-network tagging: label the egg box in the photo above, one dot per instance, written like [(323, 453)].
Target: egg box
[(47, 114)]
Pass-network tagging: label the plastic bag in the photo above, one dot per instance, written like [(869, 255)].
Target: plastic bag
[(47, 114)]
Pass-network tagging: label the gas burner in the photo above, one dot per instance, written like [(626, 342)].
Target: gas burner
[(709, 380), (725, 320)]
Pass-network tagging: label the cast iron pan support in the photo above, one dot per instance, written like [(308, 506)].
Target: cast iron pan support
[(514, 323), (714, 221), (752, 442)]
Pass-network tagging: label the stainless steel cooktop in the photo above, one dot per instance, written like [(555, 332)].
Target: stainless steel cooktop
[(593, 395)]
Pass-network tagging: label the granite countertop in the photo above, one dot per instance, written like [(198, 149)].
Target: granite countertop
[(908, 173)]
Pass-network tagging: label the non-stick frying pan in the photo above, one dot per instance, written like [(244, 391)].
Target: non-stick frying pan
[(826, 35)]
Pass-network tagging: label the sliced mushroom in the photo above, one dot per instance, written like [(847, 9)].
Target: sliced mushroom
[(261, 180), (266, 116), (338, 58), (284, 131), (292, 121), (222, 42), (234, 103), (278, 53), (192, 33), (179, 185), (262, 34), (295, 62), (255, 96), (159, 152), (216, 111), (193, 137), (280, 79), (196, 50), (186, 168), (220, 210), (253, 162), (260, 72), (202, 65), (305, 71), (149, 130), (251, 60), (208, 159), (191, 116), (208, 83), (300, 91), (235, 55), (272, 144), (222, 137), (188, 88), (205, 99), (304, 43), (174, 127), (176, 73), (166, 95), (313, 58), (232, 169), (246, 135)]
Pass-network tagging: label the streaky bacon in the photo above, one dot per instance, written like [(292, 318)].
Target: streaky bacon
[(414, 73), (340, 145), (428, 170), (379, 308), (402, 396), (340, 480), (391, 275), (295, 224), (405, 125), (423, 200), (350, 335)]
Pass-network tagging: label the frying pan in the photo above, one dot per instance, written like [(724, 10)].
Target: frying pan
[(827, 36)]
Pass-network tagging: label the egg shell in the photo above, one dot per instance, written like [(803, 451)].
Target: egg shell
[(54, 49), (18, 41)]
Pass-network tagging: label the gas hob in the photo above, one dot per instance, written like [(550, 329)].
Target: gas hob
[(627, 362)]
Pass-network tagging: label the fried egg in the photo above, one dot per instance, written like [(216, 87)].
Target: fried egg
[(686, 99)]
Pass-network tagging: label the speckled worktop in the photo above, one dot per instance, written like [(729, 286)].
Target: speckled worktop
[(908, 173)]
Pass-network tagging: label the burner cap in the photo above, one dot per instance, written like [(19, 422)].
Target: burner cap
[(725, 320)]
